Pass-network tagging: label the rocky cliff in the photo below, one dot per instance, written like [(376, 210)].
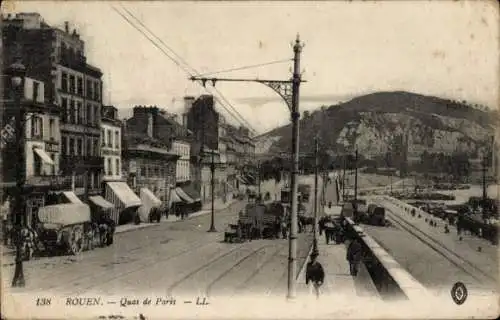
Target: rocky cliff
[(380, 122)]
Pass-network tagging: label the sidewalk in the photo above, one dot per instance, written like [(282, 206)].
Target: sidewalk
[(338, 280), (206, 208)]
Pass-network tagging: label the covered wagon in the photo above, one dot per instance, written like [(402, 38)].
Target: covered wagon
[(64, 226)]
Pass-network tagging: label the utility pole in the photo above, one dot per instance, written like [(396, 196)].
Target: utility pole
[(485, 196), (17, 72), (356, 175), (343, 178), (258, 175), (315, 240), (212, 182), (288, 90)]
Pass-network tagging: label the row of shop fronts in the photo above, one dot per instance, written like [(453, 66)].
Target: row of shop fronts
[(117, 200)]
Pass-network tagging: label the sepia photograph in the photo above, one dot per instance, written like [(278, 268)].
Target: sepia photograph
[(249, 159)]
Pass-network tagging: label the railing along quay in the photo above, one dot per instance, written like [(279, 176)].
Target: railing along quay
[(392, 281)]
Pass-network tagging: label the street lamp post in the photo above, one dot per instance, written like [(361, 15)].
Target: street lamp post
[(212, 182), (17, 72), (315, 239)]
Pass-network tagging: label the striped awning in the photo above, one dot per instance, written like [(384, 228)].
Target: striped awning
[(242, 180), (44, 156), (124, 194), (184, 196), (72, 198), (174, 198), (101, 202)]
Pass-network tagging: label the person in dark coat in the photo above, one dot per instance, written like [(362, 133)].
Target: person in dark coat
[(315, 273), (354, 256)]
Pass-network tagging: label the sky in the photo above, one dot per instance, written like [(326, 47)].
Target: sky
[(443, 48)]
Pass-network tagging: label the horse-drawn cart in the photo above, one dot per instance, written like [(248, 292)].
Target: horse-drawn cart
[(257, 221), (64, 226)]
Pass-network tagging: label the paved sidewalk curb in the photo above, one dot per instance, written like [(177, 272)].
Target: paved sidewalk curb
[(193, 215)]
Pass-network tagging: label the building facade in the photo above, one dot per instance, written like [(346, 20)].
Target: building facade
[(147, 154), (202, 120), (78, 92), (69, 123), (111, 141)]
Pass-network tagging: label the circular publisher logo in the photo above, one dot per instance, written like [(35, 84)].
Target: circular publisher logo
[(459, 293)]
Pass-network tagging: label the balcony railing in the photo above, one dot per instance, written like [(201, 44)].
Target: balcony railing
[(57, 182)]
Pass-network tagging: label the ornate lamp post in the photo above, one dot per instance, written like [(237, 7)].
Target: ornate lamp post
[(288, 90), (17, 72)]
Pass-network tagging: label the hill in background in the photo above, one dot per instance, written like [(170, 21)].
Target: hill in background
[(395, 122)]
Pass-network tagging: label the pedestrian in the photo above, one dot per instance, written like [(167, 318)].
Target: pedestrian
[(315, 273), (329, 226), (354, 256)]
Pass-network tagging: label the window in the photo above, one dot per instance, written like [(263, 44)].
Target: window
[(80, 86), (110, 169), (117, 140), (90, 116), (89, 88), (52, 129), (80, 147), (103, 137), (36, 127), (117, 166), (36, 88), (64, 107), (72, 87), (64, 82), (76, 112), (110, 139), (96, 148), (89, 147), (64, 145), (96, 91), (71, 146), (81, 113), (96, 115), (71, 111)]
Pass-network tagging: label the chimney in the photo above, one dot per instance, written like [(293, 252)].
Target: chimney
[(66, 26)]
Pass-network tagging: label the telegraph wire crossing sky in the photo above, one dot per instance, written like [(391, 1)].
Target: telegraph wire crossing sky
[(447, 49)]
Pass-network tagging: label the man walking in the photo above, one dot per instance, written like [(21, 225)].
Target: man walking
[(354, 256), (315, 273)]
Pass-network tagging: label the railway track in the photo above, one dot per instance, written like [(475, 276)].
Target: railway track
[(139, 268), (240, 288), (177, 283), (237, 264), (461, 263)]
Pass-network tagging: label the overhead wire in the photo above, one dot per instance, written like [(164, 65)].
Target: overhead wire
[(238, 116), (244, 67)]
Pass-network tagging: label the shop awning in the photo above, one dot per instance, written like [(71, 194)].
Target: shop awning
[(183, 195), (123, 192), (191, 192), (44, 156), (149, 201), (71, 196), (242, 180), (149, 197), (174, 197), (101, 202)]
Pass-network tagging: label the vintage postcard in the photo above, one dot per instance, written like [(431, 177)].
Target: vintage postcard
[(249, 160)]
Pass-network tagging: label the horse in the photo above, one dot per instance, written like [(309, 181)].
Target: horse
[(304, 222)]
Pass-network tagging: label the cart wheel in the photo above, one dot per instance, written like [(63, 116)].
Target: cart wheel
[(76, 241)]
